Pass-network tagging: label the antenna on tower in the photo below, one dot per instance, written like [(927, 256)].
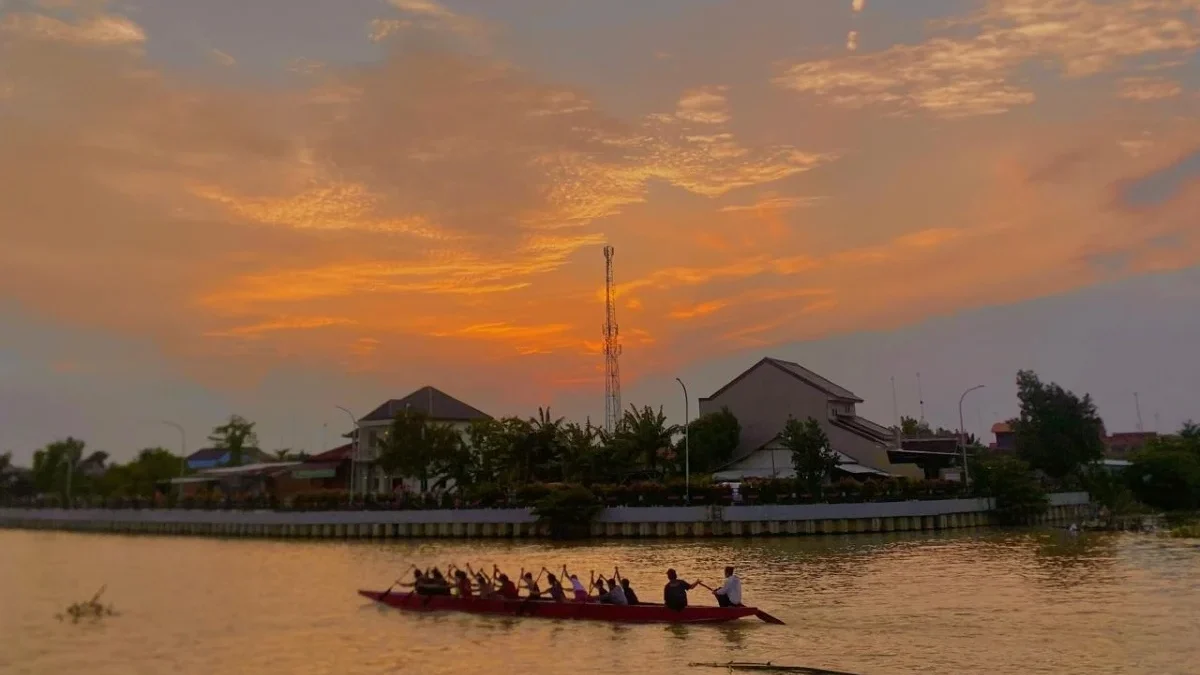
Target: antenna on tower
[(612, 348), (1138, 406), (896, 413), (921, 398)]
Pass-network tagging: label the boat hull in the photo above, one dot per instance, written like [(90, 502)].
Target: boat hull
[(548, 609)]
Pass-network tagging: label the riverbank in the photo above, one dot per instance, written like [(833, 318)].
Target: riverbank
[(657, 521)]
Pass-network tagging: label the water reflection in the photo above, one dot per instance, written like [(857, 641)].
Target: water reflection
[(965, 602)]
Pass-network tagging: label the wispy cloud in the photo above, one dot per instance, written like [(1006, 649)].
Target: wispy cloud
[(100, 31), (956, 77), (706, 105), (1148, 88), (221, 58)]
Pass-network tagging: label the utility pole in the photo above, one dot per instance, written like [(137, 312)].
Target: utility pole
[(962, 438), (1138, 406), (687, 450)]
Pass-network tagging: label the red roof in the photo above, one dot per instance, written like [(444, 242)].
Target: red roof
[(1001, 428), (337, 454)]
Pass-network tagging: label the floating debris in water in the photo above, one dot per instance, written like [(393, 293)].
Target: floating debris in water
[(92, 609)]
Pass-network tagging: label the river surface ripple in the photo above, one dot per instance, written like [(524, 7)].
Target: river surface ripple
[(957, 602)]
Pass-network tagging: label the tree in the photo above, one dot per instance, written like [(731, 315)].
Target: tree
[(1009, 481), (1165, 473), (1190, 431), (237, 436), (142, 476), (582, 459), (56, 468), (644, 435), (910, 427), (812, 457), (416, 448), (712, 439), (1057, 431)]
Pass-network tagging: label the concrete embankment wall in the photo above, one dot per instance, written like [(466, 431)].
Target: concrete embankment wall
[(655, 521)]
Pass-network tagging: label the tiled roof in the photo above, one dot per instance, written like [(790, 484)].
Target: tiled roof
[(436, 404), (213, 454), (799, 372), (816, 380), (333, 455), (207, 454)]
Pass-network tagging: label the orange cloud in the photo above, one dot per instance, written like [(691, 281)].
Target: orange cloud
[(441, 211)]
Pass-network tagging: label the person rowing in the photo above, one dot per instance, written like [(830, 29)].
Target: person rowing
[(432, 583), (730, 592), (555, 588), (675, 592), (486, 587), (507, 589), (462, 583), (616, 594), (630, 596), (581, 594), (597, 585), (531, 585)]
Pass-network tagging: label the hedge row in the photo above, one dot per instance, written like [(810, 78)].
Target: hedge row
[(754, 491)]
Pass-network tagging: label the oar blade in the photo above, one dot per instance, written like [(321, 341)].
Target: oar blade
[(768, 618)]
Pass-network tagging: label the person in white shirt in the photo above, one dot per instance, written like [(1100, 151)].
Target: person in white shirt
[(730, 592)]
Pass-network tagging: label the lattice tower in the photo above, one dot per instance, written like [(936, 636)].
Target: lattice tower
[(612, 348)]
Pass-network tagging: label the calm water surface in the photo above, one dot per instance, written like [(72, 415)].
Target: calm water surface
[(982, 602)]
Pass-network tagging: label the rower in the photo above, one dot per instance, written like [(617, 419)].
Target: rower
[(486, 588), (462, 583), (630, 596), (581, 594), (508, 590), (555, 588), (418, 577), (602, 594), (531, 586), (616, 594), (730, 592), (675, 592)]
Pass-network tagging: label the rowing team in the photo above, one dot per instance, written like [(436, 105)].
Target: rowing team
[(614, 590)]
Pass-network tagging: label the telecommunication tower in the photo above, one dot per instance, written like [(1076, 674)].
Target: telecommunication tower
[(612, 348)]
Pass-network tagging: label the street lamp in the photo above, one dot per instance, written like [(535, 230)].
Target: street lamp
[(962, 437), (353, 450), (182, 445), (687, 450)]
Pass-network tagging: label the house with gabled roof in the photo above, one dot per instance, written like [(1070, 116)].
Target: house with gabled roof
[(770, 391), (438, 406)]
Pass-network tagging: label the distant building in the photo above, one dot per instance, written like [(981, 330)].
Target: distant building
[(766, 394), (1006, 437), (1116, 446), (329, 470), (1124, 443), (212, 458), (438, 407)]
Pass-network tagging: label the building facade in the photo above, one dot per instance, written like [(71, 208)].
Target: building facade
[(437, 406), (772, 390)]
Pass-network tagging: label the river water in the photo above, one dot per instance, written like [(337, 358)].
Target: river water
[(965, 602)]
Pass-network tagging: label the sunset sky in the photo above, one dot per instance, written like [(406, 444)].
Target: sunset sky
[(272, 207)]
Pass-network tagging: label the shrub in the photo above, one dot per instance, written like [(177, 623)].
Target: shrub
[(1018, 495), (531, 493), (568, 511)]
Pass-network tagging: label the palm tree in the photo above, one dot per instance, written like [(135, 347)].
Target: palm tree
[(237, 436), (644, 434)]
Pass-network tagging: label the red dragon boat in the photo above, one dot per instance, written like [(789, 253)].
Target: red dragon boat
[(548, 609)]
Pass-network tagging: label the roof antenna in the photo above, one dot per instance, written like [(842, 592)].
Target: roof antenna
[(921, 399)]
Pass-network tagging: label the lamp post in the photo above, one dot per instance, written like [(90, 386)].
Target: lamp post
[(353, 450), (962, 437), (182, 445), (687, 450)]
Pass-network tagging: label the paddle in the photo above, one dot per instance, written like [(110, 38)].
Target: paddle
[(767, 618), (396, 582)]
